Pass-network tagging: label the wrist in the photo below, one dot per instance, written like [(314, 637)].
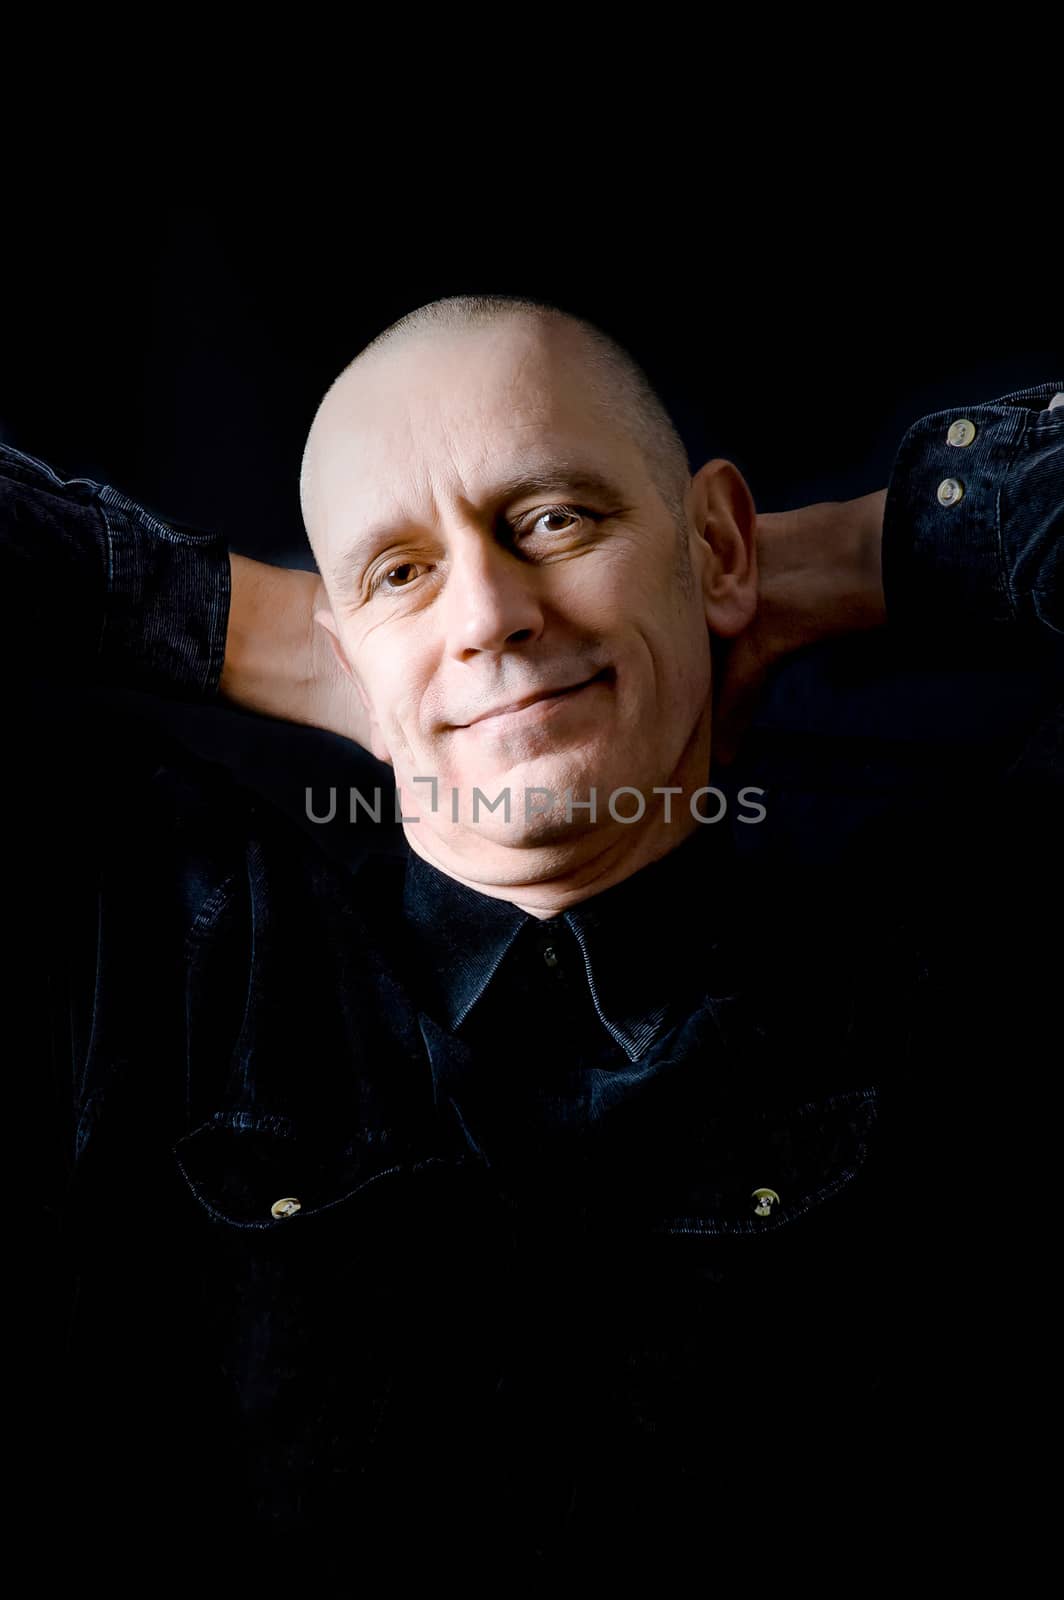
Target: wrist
[(868, 602), (269, 660)]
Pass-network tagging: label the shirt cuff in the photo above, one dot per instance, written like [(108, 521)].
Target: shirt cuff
[(167, 602), (946, 561)]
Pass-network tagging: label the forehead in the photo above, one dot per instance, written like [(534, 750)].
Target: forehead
[(460, 415)]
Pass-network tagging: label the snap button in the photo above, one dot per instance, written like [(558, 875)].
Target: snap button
[(961, 432), (550, 956), (950, 490), (766, 1199), (285, 1208)]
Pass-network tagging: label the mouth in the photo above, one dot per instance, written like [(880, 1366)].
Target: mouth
[(537, 704)]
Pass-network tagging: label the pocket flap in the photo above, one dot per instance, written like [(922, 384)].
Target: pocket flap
[(263, 1171), (764, 1170)]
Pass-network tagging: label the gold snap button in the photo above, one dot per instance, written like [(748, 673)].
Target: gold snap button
[(285, 1208), (961, 432), (766, 1199), (950, 490)]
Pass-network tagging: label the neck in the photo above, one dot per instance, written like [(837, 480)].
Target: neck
[(544, 879)]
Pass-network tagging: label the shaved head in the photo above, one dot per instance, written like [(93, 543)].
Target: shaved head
[(523, 578), (618, 386)]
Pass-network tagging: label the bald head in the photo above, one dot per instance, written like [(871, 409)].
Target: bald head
[(616, 386), (522, 578)]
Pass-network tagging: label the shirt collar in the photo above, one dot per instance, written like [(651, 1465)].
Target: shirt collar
[(643, 941)]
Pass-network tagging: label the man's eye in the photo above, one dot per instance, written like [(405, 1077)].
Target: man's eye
[(381, 582), (573, 513)]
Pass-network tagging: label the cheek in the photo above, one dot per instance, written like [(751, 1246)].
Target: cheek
[(394, 689), (634, 586), (671, 660)]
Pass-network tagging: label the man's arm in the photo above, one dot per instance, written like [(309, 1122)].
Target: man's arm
[(94, 590), (98, 587), (278, 662), (973, 531), (98, 590), (963, 546)]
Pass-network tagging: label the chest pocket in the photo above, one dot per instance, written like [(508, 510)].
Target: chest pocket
[(766, 1168), (740, 1173), (265, 1172), (267, 1175)]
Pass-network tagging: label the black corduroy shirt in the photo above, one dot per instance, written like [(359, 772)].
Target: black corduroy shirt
[(582, 999), (287, 1284)]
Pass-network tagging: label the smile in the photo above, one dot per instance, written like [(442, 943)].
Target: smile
[(543, 706)]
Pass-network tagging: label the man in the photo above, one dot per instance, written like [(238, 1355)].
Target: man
[(567, 1190)]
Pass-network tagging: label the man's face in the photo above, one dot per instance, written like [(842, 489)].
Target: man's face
[(486, 535)]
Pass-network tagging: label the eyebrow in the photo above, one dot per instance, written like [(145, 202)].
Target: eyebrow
[(554, 480)]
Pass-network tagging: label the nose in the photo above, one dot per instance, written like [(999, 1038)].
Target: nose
[(491, 598)]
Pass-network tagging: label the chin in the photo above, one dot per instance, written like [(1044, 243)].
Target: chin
[(537, 833), (519, 783)]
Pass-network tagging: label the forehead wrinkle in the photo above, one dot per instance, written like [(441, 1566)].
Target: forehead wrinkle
[(541, 479), (456, 420)]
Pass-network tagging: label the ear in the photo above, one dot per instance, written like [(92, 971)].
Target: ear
[(725, 517), (370, 735)]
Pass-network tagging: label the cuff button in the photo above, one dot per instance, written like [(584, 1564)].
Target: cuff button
[(766, 1199), (961, 432), (285, 1208)]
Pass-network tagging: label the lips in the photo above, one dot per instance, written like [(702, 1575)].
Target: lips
[(535, 698)]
